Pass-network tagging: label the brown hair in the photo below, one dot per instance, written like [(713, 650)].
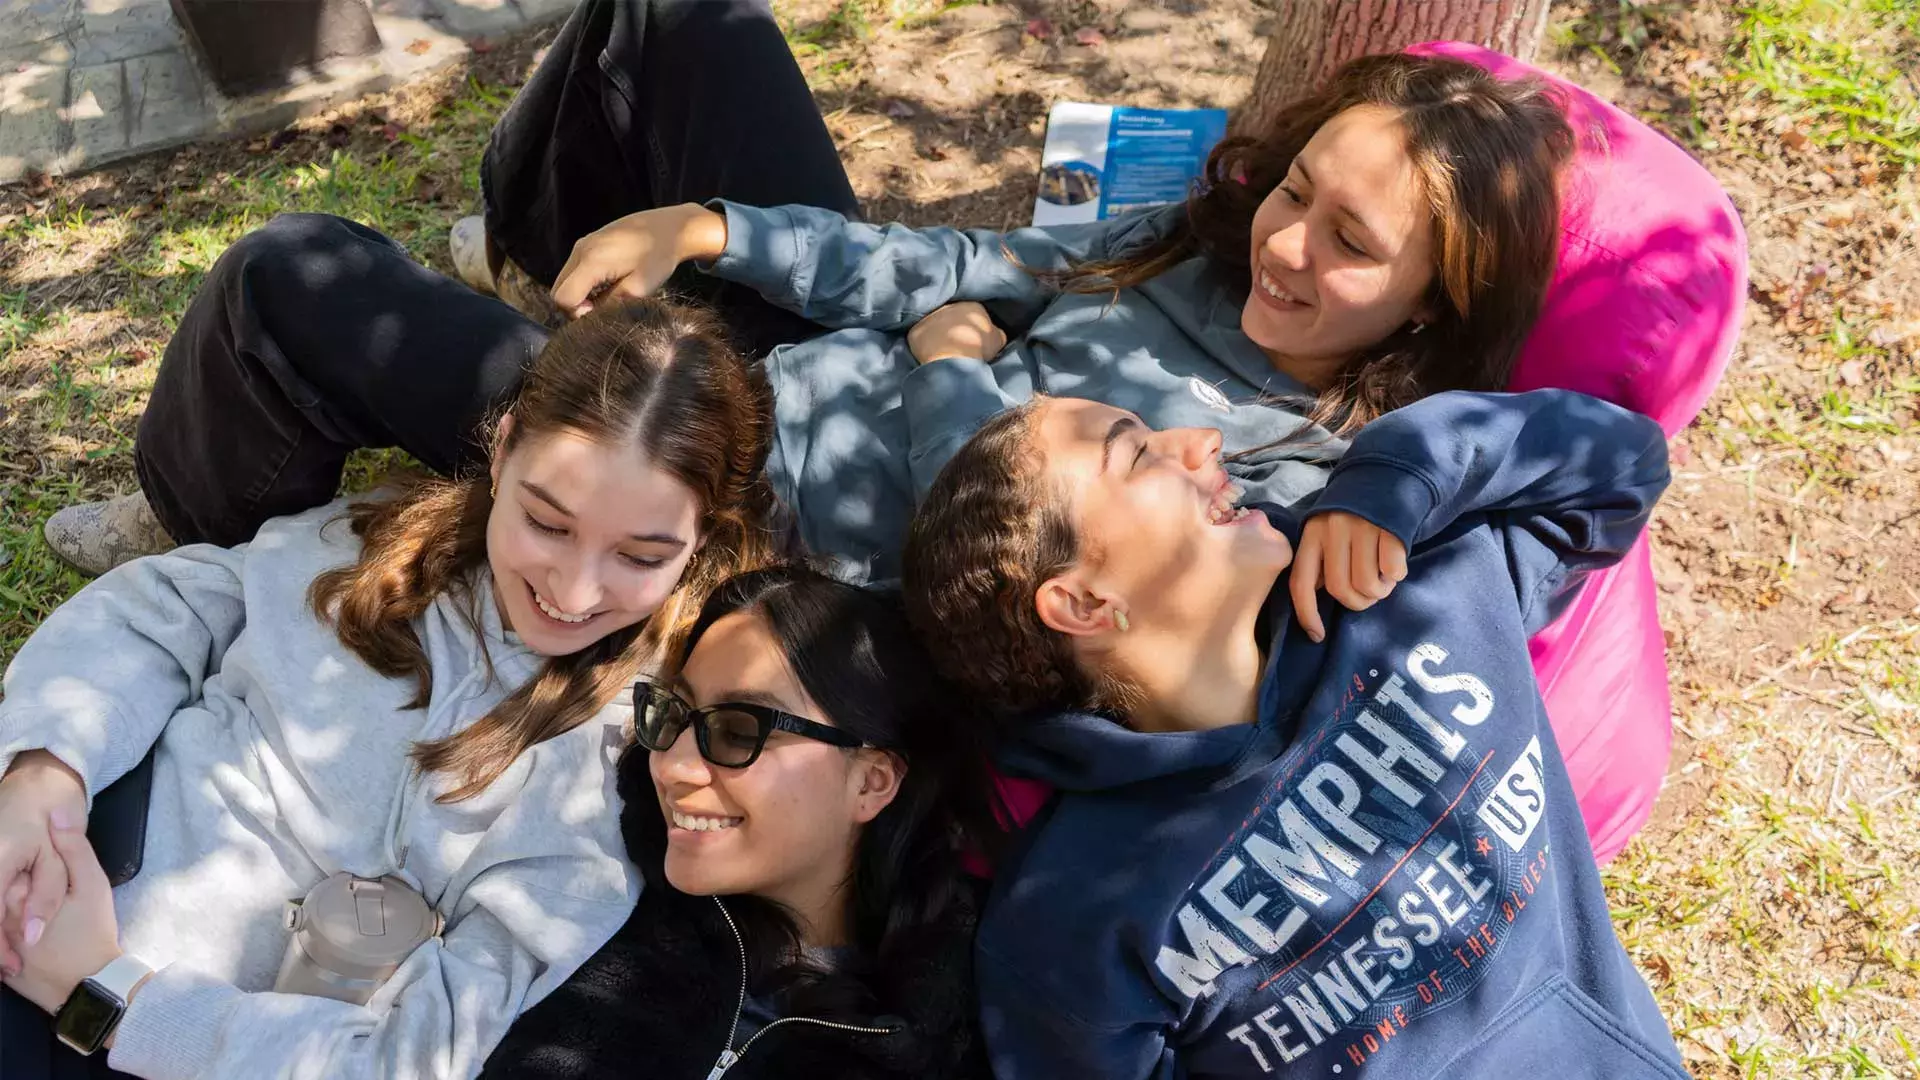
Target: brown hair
[(653, 375), (990, 532), (1487, 153)]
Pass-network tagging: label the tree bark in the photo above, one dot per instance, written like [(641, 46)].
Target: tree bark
[(1312, 38)]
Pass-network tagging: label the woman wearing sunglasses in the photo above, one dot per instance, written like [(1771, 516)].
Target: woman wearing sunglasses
[(795, 799)]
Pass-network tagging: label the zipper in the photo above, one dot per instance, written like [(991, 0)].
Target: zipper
[(730, 1057)]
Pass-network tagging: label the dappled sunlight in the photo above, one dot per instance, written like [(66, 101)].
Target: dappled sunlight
[(1770, 903)]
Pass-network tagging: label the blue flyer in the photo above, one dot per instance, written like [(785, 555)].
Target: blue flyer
[(1101, 161)]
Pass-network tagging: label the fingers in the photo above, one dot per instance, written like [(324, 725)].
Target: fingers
[(11, 902), (631, 287), (46, 893), (1305, 582), (1369, 583), (996, 340), (1339, 560), (82, 866), (586, 271), (1393, 559)]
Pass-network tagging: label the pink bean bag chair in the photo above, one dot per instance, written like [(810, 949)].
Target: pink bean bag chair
[(1643, 311)]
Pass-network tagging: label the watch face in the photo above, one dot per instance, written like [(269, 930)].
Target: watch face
[(88, 1017)]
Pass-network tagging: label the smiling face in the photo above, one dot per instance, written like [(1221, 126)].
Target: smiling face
[(1342, 250), (1161, 539), (785, 826), (585, 538)]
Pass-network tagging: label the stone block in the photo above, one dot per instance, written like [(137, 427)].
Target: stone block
[(97, 112), (406, 9), (32, 134), (166, 99), (478, 18), (399, 35), (54, 50), (119, 29), (313, 90), (33, 87), (538, 12), (37, 20)]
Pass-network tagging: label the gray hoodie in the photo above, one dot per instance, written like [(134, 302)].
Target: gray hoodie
[(282, 758), (862, 430)]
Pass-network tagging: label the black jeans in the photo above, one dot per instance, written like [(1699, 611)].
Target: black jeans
[(314, 336), (29, 1050)]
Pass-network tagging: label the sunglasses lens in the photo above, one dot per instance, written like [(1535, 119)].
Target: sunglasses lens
[(732, 737), (662, 717)]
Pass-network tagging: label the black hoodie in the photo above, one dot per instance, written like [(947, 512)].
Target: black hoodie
[(659, 1000)]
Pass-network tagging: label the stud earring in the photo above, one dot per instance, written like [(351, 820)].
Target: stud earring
[(1417, 327), (1120, 621)]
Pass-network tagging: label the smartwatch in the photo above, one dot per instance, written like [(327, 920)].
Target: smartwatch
[(95, 1007)]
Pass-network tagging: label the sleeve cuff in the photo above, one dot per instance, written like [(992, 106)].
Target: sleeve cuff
[(750, 257), (27, 729), (172, 1027), (1383, 492)]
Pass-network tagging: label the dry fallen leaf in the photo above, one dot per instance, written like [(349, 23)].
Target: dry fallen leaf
[(1040, 28), (1089, 37), (419, 46), (1853, 373)]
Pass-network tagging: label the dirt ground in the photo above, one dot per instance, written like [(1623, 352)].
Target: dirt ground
[(1772, 902)]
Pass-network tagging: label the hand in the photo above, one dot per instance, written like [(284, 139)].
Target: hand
[(962, 329), (33, 878), (83, 938), (634, 255), (1358, 561)]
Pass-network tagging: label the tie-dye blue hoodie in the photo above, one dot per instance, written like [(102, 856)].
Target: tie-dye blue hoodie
[(1386, 874)]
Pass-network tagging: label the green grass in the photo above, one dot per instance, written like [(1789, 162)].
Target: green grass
[(1805, 58), (1777, 921), (67, 432)]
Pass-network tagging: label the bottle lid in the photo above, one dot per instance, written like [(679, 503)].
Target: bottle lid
[(362, 928)]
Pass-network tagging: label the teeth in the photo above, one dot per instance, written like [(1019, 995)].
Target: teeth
[(1222, 509), (702, 824), (1272, 288), (555, 613)]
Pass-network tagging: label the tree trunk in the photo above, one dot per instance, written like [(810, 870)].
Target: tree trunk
[(1312, 38)]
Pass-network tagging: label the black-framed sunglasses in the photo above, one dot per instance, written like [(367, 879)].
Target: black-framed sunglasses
[(729, 734)]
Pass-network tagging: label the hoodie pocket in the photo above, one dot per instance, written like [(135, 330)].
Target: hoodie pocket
[(1559, 1031)]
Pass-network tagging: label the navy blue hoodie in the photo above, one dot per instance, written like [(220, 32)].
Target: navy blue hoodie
[(1386, 875)]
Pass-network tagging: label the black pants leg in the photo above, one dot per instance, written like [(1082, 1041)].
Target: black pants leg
[(315, 336), (656, 103), (29, 1050)]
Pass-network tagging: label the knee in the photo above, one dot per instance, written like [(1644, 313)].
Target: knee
[(286, 238), (300, 252)]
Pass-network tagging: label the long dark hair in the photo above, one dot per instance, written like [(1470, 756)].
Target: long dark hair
[(1488, 154), (852, 650), (990, 532), (656, 376)]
